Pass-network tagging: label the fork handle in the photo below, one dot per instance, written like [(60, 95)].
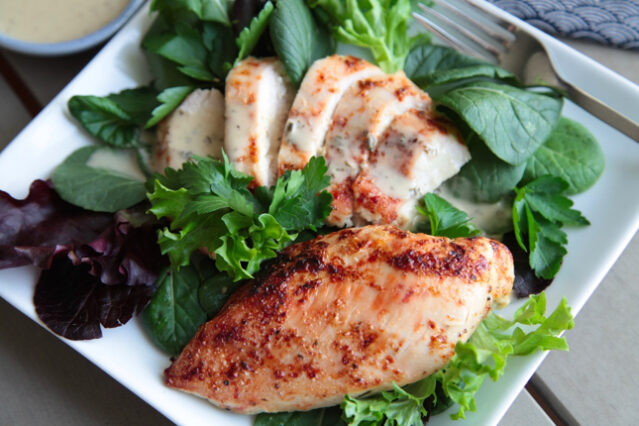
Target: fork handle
[(602, 111)]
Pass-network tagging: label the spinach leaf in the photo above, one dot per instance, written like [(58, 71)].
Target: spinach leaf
[(297, 38), (115, 119), (213, 293), (429, 64), (513, 122), (250, 35), (329, 416), (97, 188), (571, 153), (446, 220), (219, 41), (170, 99), (485, 178), (174, 314)]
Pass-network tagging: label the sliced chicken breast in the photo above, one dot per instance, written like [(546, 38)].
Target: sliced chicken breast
[(310, 116), (195, 127), (415, 155), (346, 313), (361, 117), (258, 98)]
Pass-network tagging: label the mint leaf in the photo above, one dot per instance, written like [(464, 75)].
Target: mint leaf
[(115, 119), (174, 314), (250, 35), (539, 212), (184, 46), (96, 188), (297, 38), (446, 220), (512, 122), (378, 25), (169, 99)]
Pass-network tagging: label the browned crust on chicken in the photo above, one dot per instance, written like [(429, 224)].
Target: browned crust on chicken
[(345, 313)]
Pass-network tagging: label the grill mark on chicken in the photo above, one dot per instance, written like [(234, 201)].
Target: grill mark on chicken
[(348, 312)]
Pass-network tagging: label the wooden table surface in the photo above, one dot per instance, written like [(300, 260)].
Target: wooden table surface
[(44, 382)]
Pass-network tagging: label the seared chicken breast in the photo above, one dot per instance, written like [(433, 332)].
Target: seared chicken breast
[(361, 117), (258, 98), (310, 116), (346, 313), (195, 127), (415, 155)]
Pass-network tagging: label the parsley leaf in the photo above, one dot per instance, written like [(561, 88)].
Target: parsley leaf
[(209, 206), (539, 211), (446, 220), (380, 25), (484, 354), (206, 10), (250, 35)]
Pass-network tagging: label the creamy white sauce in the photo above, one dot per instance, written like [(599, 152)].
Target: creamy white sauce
[(119, 161), (52, 21), (492, 218)]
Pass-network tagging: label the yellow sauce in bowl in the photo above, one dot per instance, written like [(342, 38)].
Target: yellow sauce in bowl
[(53, 21)]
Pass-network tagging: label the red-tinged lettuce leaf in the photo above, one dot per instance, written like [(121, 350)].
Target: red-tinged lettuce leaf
[(123, 253), (33, 229), (73, 303)]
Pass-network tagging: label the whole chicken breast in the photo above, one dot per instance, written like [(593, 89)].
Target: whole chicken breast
[(415, 155), (195, 127), (360, 119), (346, 313), (310, 116), (258, 98)]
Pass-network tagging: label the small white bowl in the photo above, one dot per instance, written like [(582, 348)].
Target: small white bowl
[(72, 46)]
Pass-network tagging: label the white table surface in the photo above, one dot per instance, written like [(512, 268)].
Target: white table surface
[(44, 382)]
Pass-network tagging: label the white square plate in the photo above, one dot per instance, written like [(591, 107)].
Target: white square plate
[(128, 355)]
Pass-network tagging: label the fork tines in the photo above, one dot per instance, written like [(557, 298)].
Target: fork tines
[(465, 27)]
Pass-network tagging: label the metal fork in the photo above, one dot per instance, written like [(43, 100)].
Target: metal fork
[(474, 31)]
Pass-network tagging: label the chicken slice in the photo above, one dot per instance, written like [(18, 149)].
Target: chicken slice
[(345, 313), (310, 117), (361, 117), (416, 154), (195, 127), (258, 98)]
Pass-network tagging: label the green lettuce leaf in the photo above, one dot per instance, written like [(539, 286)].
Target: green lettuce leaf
[(379, 25)]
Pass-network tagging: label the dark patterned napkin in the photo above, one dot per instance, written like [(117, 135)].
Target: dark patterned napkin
[(612, 22)]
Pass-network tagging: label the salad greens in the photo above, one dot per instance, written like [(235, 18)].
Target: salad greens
[(112, 265), (209, 205)]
